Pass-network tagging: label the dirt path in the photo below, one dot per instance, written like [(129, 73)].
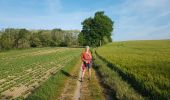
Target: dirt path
[(86, 90), (71, 84), (77, 93), (91, 89)]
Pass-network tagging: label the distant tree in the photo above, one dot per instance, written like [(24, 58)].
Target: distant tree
[(57, 36), (7, 38), (45, 38), (75, 38), (23, 39), (35, 40), (6, 42), (81, 39), (97, 30), (68, 39), (0, 40)]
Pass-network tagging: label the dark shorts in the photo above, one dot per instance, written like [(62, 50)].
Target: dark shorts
[(87, 65)]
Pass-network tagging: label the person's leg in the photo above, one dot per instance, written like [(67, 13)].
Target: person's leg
[(89, 71), (83, 72)]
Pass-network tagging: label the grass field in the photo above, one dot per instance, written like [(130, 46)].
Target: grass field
[(45, 74), (144, 64), (131, 70), (116, 88), (52, 89), (21, 71)]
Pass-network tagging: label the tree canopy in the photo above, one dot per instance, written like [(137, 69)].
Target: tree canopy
[(22, 38), (96, 31)]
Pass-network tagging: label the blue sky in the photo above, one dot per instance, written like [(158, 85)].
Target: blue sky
[(134, 19)]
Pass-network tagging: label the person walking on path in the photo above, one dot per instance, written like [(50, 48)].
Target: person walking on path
[(86, 57)]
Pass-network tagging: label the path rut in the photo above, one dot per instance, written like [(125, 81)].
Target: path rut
[(86, 90), (77, 93)]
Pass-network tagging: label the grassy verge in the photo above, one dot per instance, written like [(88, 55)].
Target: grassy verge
[(91, 90), (95, 88), (71, 83), (53, 87), (112, 81)]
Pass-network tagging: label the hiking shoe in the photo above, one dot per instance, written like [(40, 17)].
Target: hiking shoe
[(81, 80), (89, 78)]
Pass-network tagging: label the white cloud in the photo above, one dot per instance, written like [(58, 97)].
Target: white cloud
[(53, 6), (134, 19), (139, 19)]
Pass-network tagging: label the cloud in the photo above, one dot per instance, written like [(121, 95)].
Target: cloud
[(140, 19), (53, 6), (134, 19)]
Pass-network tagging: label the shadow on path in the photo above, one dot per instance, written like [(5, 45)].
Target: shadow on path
[(69, 75)]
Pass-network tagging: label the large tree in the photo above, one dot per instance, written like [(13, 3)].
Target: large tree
[(96, 31)]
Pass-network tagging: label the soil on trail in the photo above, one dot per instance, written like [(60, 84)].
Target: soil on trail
[(70, 86), (86, 90), (91, 89), (78, 88)]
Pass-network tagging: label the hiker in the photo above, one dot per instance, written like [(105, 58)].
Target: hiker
[(86, 62)]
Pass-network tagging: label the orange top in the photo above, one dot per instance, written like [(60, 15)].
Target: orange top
[(86, 57)]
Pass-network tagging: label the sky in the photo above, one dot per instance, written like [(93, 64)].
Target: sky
[(133, 19)]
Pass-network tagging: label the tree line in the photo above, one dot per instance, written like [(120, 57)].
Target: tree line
[(96, 31), (11, 38)]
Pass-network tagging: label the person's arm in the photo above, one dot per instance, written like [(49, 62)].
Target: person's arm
[(90, 56), (82, 58)]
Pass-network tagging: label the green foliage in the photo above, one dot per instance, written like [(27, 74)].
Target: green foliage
[(45, 38), (68, 39), (145, 64), (21, 38), (57, 36), (6, 42), (35, 40), (96, 30), (7, 38), (105, 40), (81, 39)]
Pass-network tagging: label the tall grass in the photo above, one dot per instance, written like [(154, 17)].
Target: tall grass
[(118, 88), (144, 64)]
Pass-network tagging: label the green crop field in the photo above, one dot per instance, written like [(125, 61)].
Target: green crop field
[(143, 64), (130, 70), (21, 71)]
